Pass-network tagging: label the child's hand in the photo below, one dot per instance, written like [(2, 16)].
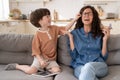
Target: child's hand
[(43, 63), (77, 16)]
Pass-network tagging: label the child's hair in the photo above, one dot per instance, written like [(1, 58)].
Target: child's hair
[(37, 15)]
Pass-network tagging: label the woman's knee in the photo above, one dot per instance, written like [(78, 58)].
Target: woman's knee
[(98, 68), (88, 67), (77, 71)]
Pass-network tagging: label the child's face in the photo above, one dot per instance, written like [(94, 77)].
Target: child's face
[(45, 21)]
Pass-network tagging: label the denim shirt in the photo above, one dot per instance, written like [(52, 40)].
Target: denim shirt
[(86, 48)]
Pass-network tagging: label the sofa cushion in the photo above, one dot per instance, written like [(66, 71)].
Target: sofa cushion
[(114, 57), (63, 53), (15, 48), (15, 42), (114, 49), (113, 74), (114, 42)]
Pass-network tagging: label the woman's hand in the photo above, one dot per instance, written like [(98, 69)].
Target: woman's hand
[(106, 32)]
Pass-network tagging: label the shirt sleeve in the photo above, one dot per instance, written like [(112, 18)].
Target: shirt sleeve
[(36, 45), (61, 30), (105, 56), (71, 52)]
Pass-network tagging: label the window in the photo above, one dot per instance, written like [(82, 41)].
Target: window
[(4, 9)]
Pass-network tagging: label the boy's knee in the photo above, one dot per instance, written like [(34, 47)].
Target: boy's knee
[(28, 72), (55, 69), (31, 71)]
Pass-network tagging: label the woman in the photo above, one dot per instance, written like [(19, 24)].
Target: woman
[(88, 46)]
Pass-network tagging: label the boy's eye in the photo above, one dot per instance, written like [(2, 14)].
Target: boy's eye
[(47, 16)]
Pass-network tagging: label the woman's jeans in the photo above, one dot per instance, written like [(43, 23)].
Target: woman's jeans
[(91, 71)]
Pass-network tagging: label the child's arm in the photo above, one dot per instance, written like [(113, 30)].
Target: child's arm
[(69, 25), (43, 63)]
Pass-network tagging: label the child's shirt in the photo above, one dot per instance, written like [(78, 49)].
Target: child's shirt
[(45, 42)]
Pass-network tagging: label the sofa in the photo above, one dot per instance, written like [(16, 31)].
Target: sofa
[(16, 48)]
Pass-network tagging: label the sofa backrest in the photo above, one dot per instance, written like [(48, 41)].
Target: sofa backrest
[(15, 48), (113, 50)]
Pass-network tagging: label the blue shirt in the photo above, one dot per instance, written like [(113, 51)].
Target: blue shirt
[(86, 48)]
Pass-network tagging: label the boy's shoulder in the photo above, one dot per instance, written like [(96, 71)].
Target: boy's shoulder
[(38, 31), (53, 27), (56, 26)]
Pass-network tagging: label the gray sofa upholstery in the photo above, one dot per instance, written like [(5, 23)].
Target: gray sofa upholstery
[(16, 48)]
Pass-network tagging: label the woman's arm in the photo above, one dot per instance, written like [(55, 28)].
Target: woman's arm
[(106, 32), (71, 40)]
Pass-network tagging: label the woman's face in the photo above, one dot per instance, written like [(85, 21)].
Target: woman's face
[(87, 17)]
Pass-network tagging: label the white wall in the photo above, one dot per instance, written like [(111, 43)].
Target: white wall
[(66, 9), (25, 7)]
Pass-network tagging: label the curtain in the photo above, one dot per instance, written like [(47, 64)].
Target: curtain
[(4, 9)]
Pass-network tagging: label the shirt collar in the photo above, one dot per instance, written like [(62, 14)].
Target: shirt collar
[(83, 32)]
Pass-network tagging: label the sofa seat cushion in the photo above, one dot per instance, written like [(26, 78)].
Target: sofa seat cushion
[(19, 75), (114, 73), (66, 74)]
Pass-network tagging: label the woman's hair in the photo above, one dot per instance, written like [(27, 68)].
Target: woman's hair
[(96, 23), (37, 15)]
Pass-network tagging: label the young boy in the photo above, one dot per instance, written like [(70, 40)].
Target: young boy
[(44, 43)]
